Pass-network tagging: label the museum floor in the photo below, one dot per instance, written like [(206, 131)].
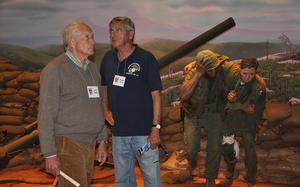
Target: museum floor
[(33, 176)]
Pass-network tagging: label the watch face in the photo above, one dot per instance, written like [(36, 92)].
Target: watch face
[(156, 126)]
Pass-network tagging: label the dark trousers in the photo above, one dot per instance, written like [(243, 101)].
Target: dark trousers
[(250, 154), (212, 124)]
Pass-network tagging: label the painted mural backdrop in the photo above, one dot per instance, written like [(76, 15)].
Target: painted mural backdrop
[(30, 36)]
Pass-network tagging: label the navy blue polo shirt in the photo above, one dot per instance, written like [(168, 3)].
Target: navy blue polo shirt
[(131, 105)]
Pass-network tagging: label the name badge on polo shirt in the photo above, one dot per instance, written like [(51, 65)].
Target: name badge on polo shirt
[(93, 91), (119, 80)]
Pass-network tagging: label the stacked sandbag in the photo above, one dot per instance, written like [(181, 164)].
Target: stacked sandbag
[(277, 110), (19, 92), (172, 128), (281, 165), (281, 126)]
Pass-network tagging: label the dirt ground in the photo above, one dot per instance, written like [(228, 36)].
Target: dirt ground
[(33, 176)]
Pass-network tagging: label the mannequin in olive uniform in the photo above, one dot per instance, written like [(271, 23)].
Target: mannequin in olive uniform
[(243, 111), (203, 98)]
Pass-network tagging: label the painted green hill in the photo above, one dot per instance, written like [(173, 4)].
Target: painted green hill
[(26, 58), (51, 50), (37, 58), (160, 47), (55, 50)]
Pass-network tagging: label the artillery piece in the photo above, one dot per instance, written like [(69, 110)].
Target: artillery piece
[(28, 135), (196, 42)]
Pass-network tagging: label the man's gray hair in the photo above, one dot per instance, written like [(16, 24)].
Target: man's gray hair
[(71, 30), (127, 22)]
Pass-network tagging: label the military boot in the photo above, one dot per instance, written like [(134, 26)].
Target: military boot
[(251, 185), (250, 180), (210, 183)]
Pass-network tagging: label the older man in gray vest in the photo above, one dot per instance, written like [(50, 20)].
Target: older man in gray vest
[(71, 120)]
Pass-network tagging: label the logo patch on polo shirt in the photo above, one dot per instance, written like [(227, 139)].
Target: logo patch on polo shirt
[(133, 69)]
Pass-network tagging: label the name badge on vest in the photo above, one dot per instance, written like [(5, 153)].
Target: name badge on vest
[(93, 91), (119, 80)]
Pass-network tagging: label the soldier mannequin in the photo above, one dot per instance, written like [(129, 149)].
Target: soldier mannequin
[(243, 111), (202, 95)]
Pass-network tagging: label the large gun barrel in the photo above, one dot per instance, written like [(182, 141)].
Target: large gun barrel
[(18, 143), (196, 42)]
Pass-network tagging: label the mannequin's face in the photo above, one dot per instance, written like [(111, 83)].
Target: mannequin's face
[(247, 74)]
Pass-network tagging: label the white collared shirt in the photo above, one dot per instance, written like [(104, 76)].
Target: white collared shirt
[(76, 61)]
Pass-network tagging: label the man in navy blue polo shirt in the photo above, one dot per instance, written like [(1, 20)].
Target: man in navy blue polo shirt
[(132, 105)]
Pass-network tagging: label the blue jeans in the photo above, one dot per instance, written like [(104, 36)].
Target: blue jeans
[(125, 150)]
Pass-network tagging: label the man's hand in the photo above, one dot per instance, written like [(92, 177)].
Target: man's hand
[(101, 153), (202, 67), (52, 165), (154, 138), (231, 97), (109, 117), (107, 112), (188, 67), (249, 109)]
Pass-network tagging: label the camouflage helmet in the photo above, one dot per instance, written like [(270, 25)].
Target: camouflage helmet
[(204, 55)]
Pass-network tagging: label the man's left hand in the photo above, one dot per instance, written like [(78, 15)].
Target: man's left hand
[(250, 109), (231, 97), (154, 138), (101, 153)]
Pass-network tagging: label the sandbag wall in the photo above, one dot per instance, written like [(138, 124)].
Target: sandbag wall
[(278, 143), (171, 133), (19, 92), (281, 126)]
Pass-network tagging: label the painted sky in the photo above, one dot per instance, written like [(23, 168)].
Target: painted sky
[(40, 22)]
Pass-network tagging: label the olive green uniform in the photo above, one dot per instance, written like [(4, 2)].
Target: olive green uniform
[(204, 109), (239, 122)]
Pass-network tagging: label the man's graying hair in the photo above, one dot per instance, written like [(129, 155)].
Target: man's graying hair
[(126, 21), (71, 30)]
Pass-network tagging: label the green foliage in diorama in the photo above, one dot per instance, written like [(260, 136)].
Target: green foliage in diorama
[(55, 50), (281, 79)]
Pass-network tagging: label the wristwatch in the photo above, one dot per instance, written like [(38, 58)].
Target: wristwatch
[(103, 141), (156, 126)]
